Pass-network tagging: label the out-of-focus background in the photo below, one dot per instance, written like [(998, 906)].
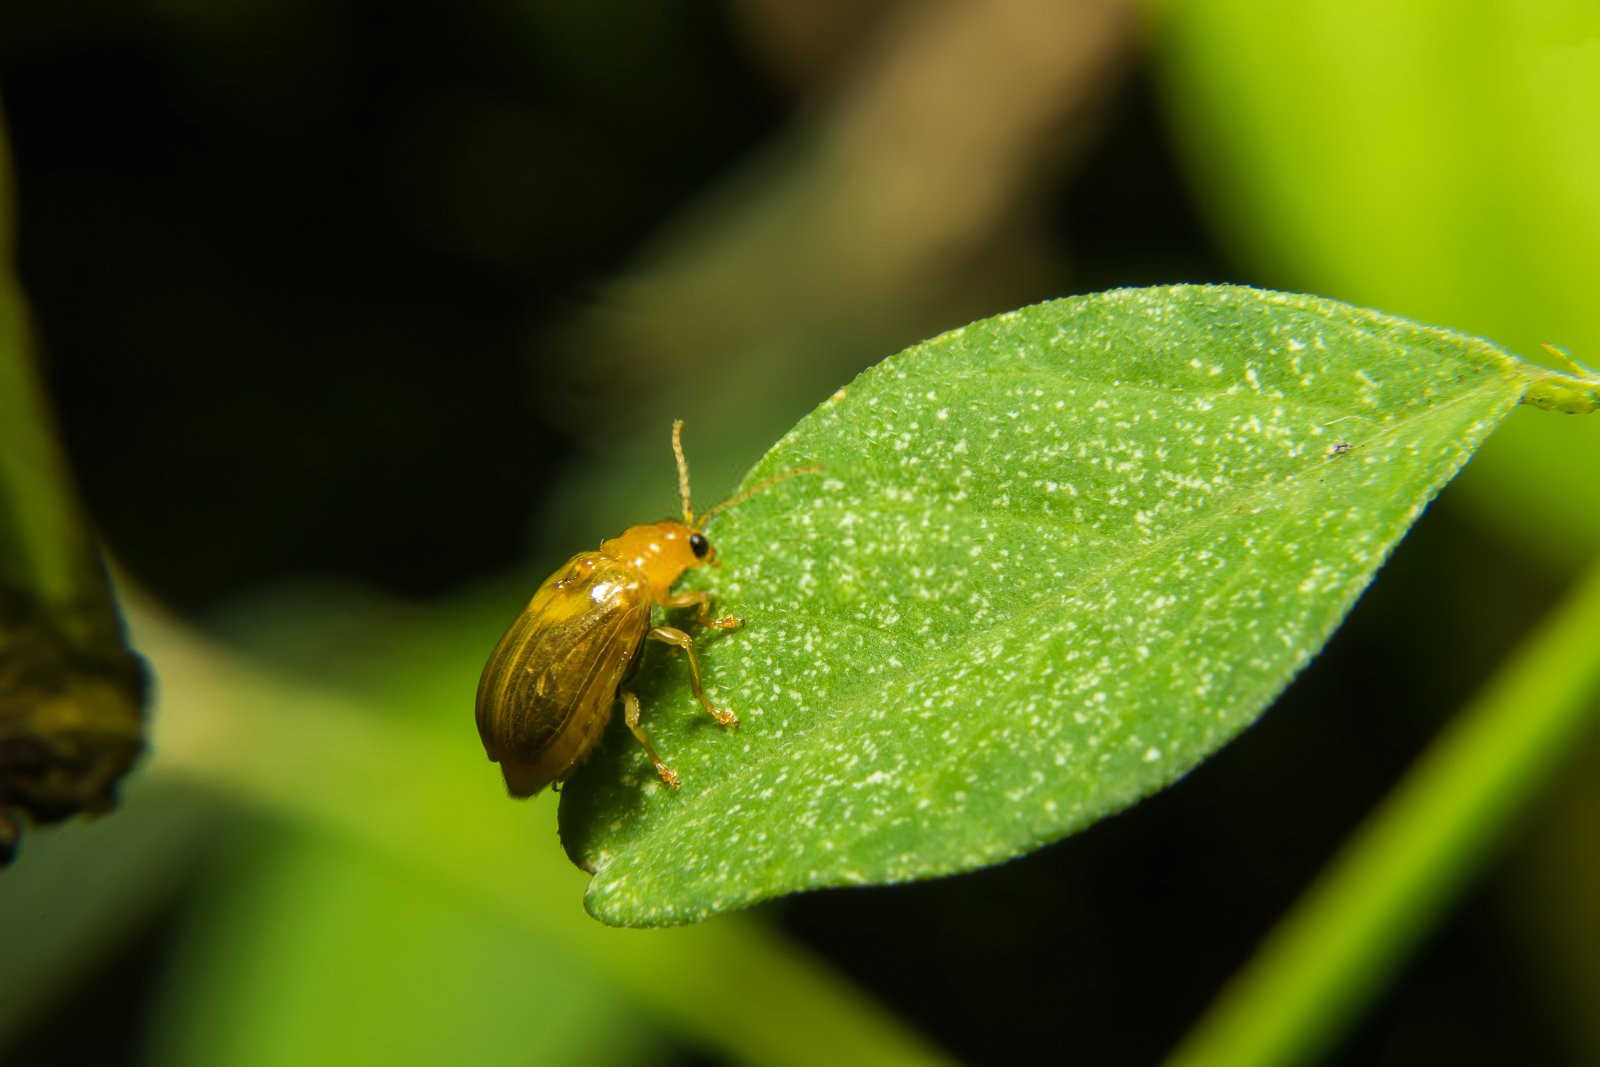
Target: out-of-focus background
[(359, 317)]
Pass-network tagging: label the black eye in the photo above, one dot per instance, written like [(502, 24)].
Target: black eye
[(699, 545)]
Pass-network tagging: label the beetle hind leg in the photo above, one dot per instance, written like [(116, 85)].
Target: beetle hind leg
[(671, 635), (630, 715)]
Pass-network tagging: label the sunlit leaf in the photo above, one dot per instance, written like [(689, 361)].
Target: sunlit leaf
[(1056, 559)]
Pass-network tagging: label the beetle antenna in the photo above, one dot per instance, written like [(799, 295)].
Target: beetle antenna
[(760, 487), (683, 471)]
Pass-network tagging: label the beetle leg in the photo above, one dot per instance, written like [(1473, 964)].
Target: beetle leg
[(630, 714), (671, 635), (700, 600)]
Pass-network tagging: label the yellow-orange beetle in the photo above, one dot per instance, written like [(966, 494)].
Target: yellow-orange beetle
[(548, 690)]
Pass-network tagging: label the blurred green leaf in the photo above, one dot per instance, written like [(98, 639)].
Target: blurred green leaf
[(86, 889), (1401, 870), (1057, 558), (1435, 161), (307, 949)]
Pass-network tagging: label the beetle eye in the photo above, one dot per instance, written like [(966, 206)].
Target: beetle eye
[(699, 545)]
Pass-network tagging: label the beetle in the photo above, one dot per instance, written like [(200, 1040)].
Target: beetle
[(550, 686)]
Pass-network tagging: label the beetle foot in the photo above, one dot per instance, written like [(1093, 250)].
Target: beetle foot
[(727, 622), (669, 776), (725, 717)]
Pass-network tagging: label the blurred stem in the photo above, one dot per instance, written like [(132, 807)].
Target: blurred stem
[(833, 246), (1577, 393), (416, 789), (1335, 950), (44, 547)]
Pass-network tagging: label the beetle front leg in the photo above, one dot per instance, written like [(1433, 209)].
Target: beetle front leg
[(700, 600), (671, 635), (630, 715)]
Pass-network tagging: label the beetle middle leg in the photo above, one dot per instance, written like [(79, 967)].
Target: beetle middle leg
[(671, 635), (630, 715), (700, 600)]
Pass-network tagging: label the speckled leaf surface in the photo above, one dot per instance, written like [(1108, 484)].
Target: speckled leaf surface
[(1056, 559)]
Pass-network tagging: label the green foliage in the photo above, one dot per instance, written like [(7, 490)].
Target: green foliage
[(1056, 558), (1372, 905), (1428, 161), (378, 787), (1409, 157), (328, 954)]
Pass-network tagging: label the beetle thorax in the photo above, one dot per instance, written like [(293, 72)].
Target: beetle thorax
[(658, 550)]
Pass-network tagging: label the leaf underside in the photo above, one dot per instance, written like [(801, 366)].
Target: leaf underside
[(1056, 558)]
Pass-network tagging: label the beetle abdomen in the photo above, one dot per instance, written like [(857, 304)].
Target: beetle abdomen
[(548, 689)]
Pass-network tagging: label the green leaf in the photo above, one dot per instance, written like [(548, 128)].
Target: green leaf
[(1426, 158), (1056, 559)]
